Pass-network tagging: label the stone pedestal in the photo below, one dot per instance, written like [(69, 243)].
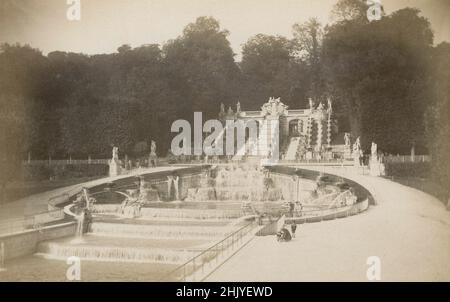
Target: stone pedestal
[(376, 168), (356, 161), (114, 167), (328, 155), (152, 160), (347, 152)]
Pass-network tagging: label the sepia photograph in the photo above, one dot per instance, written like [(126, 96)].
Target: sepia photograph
[(224, 141)]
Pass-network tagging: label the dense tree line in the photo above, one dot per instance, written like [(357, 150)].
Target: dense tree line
[(378, 73), (388, 82), (437, 118)]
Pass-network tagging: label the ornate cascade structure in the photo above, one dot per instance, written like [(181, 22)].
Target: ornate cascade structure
[(302, 133), (236, 183)]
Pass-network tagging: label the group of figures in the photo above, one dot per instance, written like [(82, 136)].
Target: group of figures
[(115, 165), (274, 107), (353, 151), (147, 193), (143, 194), (376, 165)]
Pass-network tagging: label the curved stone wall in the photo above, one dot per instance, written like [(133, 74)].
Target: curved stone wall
[(287, 172)]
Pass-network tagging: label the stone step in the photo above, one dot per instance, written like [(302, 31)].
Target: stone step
[(99, 248)]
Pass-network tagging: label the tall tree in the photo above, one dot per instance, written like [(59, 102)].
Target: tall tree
[(308, 45), (201, 68), (350, 10), (25, 74), (270, 70)]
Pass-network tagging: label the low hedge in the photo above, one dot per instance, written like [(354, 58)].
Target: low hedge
[(45, 172), (408, 169), (36, 172)]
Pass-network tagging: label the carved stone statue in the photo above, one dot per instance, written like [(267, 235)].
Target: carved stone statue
[(373, 149), (230, 111), (238, 107), (153, 148), (273, 107), (173, 180), (114, 163), (222, 112), (115, 153), (330, 105), (357, 144), (87, 197), (265, 109), (153, 157), (311, 104), (176, 180), (357, 152), (321, 106), (347, 139)]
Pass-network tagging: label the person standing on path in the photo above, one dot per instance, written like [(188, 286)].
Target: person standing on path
[(293, 228)]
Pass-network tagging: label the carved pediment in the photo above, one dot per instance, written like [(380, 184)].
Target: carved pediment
[(274, 107)]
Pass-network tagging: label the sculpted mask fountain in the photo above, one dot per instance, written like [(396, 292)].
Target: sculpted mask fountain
[(173, 181), (146, 192), (130, 207)]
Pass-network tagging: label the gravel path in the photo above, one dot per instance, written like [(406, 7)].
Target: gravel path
[(408, 230)]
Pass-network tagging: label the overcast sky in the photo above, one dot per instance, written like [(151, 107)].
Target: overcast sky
[(107, 24)]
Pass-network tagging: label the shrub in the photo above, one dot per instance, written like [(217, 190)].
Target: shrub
[(408, 169), (36, 172), (80, 170)]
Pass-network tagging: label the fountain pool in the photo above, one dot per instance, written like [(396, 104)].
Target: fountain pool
[(139, 230)]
